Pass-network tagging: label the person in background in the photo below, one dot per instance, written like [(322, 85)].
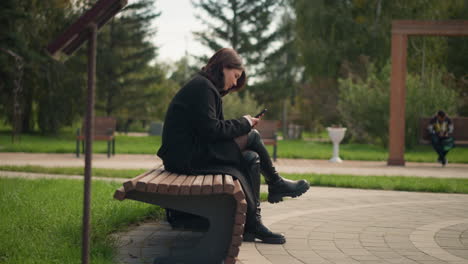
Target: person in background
[(441, 128)]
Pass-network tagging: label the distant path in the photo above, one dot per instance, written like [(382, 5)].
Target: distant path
[(138, 161)]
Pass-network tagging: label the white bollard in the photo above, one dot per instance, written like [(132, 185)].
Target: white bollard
[(336, 134)]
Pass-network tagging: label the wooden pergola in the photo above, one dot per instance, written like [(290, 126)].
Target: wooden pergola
[(401, 29)]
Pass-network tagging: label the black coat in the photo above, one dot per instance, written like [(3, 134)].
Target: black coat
[(197, 140), (195, 134)]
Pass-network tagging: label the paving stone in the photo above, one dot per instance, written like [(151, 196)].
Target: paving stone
[(365, 227)]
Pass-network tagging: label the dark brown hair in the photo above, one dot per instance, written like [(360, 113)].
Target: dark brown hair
[(224, 58)]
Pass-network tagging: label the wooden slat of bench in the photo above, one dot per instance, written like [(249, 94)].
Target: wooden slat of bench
[(207, 186), (119, 194), (238, 193), (228, 186), (131, 184), (163, 187), (195, 188), (152, 186), (239, 218), (175, 186), (242, 206), (229, 260), (238, 229), (269, 141), (233, 251), (185, 186), (218, 184), (236, 240), (97, 137), (142, 183)]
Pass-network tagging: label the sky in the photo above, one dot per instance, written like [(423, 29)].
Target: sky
[(174, 30)]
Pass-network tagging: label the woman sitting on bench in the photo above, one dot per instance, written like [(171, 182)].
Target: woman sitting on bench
[(197, 140)]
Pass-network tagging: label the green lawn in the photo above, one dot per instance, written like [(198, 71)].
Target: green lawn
[(41, 220), (65, 143), (397, 183)]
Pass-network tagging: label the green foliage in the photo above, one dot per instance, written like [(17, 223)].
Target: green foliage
[(44, 83), (337, 38), (236, 106), (364, 104), (124, 76), (43, 220)]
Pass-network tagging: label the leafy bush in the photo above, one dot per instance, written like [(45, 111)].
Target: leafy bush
[(364, 103), (236, 105)]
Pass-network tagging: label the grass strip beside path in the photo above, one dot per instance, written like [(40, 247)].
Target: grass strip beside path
[(397, 183), (99, 172), (297, 149), (42, 220)]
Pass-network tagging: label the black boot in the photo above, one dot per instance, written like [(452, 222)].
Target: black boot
[(278, 187), (286, 188), (260, 231), (254, 227)]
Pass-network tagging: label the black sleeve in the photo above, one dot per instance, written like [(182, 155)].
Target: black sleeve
[(205, 121)]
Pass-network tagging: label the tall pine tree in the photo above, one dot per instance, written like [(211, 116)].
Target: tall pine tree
[(124, 54), (244, 25)]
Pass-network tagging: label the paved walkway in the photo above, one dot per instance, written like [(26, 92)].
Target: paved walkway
[(122, 161), (325, 225), (334, 225)]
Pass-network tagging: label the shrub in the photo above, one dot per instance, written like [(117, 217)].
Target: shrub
[(236, 106), (364, 103)]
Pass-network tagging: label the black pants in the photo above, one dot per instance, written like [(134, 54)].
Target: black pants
[(258, 160), (441, 145)]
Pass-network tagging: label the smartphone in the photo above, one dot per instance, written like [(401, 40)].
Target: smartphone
[(261, 113)]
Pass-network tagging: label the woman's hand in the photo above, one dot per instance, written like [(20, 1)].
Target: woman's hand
[(254, 121)]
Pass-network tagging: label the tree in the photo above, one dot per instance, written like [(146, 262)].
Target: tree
[(124, 54), (334, 36), (244, 25), (279, 80), (17, 34)]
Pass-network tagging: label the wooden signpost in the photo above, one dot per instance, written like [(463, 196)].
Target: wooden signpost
[(85, 29)]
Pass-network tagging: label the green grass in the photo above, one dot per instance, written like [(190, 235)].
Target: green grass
[(322, 150), (396, 183), (99, 172), (41, 220), (65, 143)]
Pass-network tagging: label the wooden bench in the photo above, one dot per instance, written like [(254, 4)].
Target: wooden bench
[(219, 198), (460, 132), (104, 128), (267, 129)]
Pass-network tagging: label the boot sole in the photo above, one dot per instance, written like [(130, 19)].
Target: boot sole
[(276, 198), (249, 237)]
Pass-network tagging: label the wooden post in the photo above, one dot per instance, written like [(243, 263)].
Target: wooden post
[(397, 101), (92, 43)]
